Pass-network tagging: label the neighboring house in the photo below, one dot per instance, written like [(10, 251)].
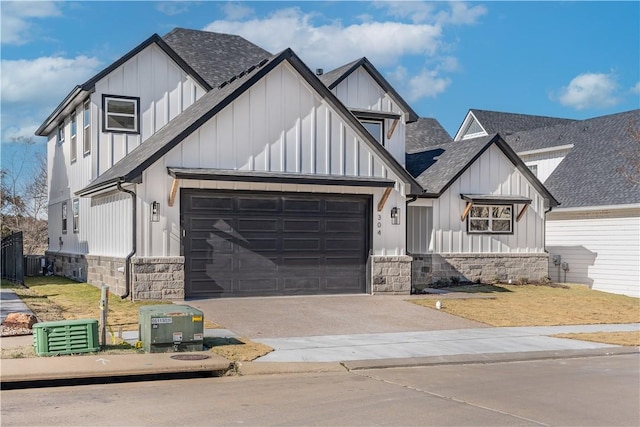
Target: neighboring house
[(593, 237), (200, 165)]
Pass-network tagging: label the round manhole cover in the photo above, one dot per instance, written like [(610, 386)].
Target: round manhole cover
[(190, 356)]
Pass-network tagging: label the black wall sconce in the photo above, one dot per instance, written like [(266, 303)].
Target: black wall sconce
[(395, 216), (155, 211)]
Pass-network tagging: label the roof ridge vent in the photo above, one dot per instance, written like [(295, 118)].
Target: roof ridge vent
[(243, 73)]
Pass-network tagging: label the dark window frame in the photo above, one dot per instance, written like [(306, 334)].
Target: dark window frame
[(73, 128), (64, 217), (490, 219), (378, 122), (105, 114), (86, 126), (60, 134), (75, 208)]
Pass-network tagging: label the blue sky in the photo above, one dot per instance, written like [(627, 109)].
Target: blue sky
[(564, 59)]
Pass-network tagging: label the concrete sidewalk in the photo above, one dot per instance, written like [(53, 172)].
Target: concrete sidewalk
[(341, 348), (11, 303)]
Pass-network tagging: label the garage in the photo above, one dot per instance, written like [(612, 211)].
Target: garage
[(266, 244)]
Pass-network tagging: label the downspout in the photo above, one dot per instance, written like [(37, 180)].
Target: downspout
[(127, 260)]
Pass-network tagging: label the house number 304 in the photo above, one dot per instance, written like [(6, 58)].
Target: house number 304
[(379, 225)]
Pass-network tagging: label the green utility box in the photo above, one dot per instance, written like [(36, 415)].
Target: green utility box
[(65, 337), (170, 328)]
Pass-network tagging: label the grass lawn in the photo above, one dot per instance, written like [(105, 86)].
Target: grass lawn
[(530, 305), (54, 298), (614, 338)]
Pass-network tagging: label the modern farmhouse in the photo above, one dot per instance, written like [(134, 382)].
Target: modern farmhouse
[(200, 165)]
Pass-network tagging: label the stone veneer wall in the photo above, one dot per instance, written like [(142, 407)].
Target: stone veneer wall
[(391, 274), (73, 266), (429, 268), (158, 278), (107, 270)]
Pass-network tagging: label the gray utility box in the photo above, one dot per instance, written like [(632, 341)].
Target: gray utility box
[(170, 328)]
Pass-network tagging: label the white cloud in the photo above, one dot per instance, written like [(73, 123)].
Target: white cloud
[(427, 84), (411, 32), (23, 80), (235, 11), (590, 90), (426, 12), (332, 45), (32, 88), (16, 17), (461, 13), (636, 88), (172, 8)]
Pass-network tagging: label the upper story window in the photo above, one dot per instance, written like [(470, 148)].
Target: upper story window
[(121, 114), (533, 169), (74, 139), (375, 128), (86, 121), (490, 219), (60, 133), (64, 217)]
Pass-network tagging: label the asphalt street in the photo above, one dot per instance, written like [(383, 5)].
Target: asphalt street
[(593, 391)]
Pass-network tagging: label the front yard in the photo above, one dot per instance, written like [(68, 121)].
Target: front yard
[(54, 298), (532, 305)]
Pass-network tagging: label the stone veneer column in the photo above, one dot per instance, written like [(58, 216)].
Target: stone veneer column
[(391, 274), (158, 278)]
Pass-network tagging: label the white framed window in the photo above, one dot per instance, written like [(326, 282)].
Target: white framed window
[(121, 114), (375, 128), (60, 133), (74, 139), (490, 219), (533, 169), (76, 215), (64, 217), (86, 122)]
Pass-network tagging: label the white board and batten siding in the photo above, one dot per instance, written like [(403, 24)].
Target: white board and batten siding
[(164, 90), (545, 161), (601, 247), (360, 91), (279, 125), (493, 173)]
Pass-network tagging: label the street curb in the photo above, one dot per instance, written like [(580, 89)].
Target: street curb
[(30, 370), (275, 368), (465, 359)]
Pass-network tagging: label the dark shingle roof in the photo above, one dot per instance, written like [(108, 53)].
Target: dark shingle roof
[(590, 174), (439, 166), (130, 168), (215, 57), (507, 123), (424, 134)]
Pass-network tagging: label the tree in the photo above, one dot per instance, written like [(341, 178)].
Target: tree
[(24, 195)]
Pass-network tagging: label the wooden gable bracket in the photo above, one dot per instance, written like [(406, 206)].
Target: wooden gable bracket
[(174, 191), (521, 214), (466, 211), (392, 128), (384, 198)]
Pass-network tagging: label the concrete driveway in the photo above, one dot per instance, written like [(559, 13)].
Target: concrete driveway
[(304, 316)]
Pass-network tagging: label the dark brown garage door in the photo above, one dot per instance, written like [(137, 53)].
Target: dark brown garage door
[(259, 244)]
